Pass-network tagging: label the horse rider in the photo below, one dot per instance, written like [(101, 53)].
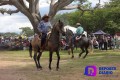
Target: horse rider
[(45, 28), (79, 31)]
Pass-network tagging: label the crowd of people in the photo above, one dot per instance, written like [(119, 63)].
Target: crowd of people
[(13, 43), (101, 42), (104, 42)]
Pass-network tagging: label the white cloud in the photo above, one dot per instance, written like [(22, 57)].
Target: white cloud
[(94, 2), (43, 5), (13, 23), (14, 27)]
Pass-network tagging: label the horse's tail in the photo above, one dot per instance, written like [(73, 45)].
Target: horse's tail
[(30, 50)]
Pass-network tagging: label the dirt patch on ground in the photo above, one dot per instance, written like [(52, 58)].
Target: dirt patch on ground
[(21, 70), (11, 75), (9, 70)]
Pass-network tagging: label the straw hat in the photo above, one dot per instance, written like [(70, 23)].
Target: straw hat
[(45, 16), (78, 24)]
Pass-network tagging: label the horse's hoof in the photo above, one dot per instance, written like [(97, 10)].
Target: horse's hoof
[(38, 69), (50, 68), (79, 56), (83, 57), (30, 56), (57, 69), (72, 57)]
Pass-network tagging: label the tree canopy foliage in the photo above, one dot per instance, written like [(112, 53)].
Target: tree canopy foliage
[(31, 8), (8, 34), (105, 18), (27, 31)]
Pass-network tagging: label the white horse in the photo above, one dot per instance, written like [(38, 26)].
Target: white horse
[(73, 29)]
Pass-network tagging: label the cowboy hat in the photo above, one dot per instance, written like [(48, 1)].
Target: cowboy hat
[(78, 24), (45, 16)]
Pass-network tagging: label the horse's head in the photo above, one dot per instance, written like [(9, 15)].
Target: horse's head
[(59, 26), (69, 32)]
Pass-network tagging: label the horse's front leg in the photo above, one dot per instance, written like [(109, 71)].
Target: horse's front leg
[(30, 50), (38, 59), (58, 56), (35, 58), (50, 59), (86, 53), (81, 52), (72, 52)]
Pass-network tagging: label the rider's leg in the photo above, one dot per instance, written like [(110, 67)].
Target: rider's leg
[(43, 39), (78, 37)]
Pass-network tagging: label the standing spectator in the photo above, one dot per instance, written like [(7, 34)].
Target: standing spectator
[(110, 44), (113, 42), (105, 43), (95, 44), (100, 40)]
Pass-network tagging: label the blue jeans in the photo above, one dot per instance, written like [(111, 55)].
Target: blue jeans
[(43, 38)]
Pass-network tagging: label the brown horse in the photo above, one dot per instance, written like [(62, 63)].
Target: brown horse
[(52, 45)]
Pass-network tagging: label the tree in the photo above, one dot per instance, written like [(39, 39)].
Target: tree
[(9, 34), (106, 18), (27, 31), (113, 17), (32, 11)]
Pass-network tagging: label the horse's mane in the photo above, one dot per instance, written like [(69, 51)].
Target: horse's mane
[(54, 25), (69, 32)]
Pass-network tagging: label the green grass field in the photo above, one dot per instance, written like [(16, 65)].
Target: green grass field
[(17, 65)]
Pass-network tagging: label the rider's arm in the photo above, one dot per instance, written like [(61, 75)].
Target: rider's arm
[(49, 26), (40, 26)]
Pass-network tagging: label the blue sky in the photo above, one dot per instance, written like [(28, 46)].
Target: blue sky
[(15, 21)]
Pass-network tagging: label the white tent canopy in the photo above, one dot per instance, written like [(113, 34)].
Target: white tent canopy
[(73, 29)]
